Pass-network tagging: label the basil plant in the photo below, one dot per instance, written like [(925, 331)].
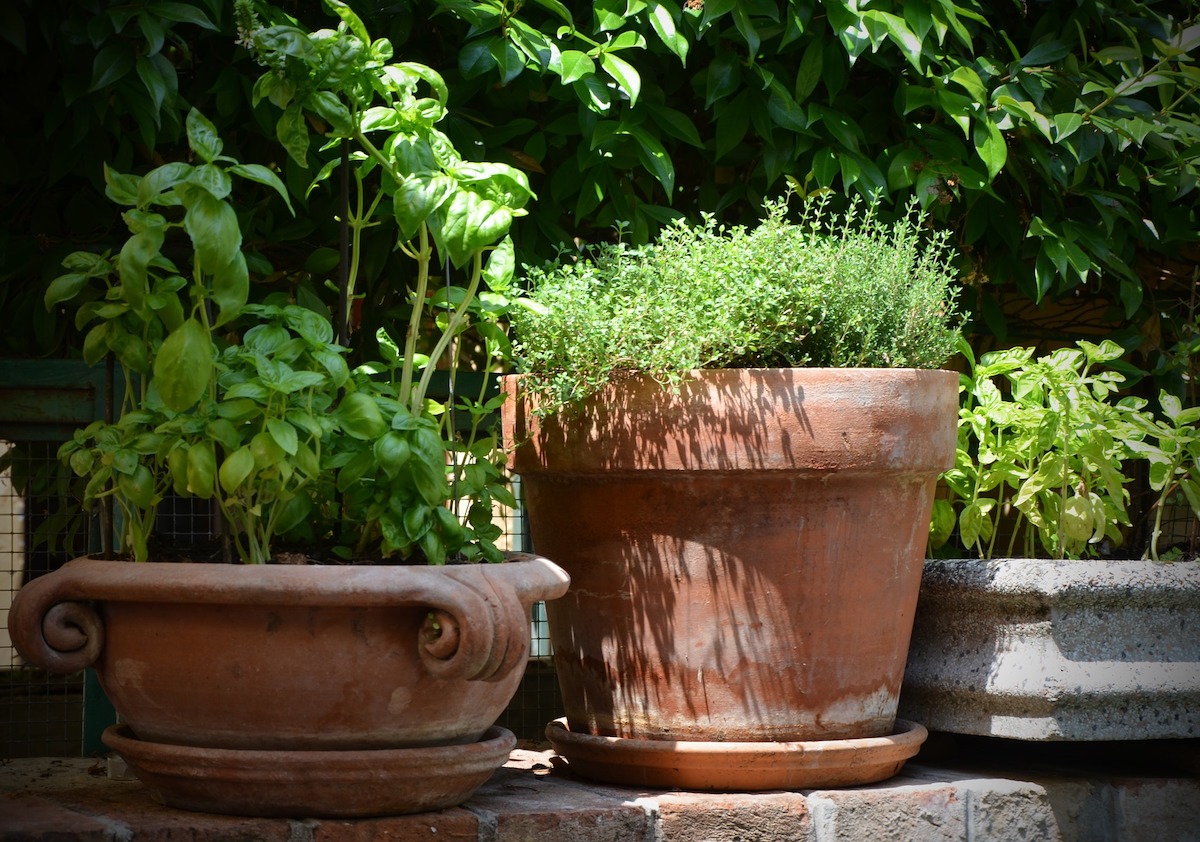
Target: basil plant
[(255, 406)]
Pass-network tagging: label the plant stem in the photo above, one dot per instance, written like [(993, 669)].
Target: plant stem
[(414, 320), (452, 327)]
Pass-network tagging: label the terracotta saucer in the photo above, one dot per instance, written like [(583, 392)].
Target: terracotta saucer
[(312, 784), (737, 767)]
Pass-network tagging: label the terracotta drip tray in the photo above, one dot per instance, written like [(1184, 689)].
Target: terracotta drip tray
[(312, 784), (737, 767)]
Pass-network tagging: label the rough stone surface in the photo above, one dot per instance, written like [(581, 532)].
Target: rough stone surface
[(1009, 811), (767, 817), (1144, 809), (882, 813), (533, 804), (1037, 649), (1002, 792)]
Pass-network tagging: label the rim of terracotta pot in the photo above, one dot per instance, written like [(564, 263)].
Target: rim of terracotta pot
[(778, 419), (312, 784), (737, 766), (55, 624)]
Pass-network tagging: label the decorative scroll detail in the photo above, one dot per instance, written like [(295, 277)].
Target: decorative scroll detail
[(484, 635), (54, 633), (440, 635), (74, 632), (459, 634)]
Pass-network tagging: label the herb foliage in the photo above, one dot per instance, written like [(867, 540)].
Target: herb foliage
[(823, 290), (254, 406), (1046, 449)]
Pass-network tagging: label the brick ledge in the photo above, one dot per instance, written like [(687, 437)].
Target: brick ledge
[(534, 798)]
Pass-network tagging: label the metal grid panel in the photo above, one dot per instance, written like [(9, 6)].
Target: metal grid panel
[(41, 714), (538, 699)]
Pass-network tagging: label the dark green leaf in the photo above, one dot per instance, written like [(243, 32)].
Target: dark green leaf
[(676, 124), (136, 255), (230, 289), (111, 64), (392, 452), (416, 520), (360, 417), (558, 9), (95, 343), (292, 512), (809, 73), (724, 75), (262, 175), (292, 132), (508, 58), (202, 136), (64, 288), (236, 468), (156, 86), (655, 159), (470, 223), (213, 228), (201, 469), (475, 59), (623, 73), (1048, 52), (284, 435), (181, 13), (183, 367)]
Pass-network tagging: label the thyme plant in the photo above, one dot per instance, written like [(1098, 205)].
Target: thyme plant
[(820, 290)]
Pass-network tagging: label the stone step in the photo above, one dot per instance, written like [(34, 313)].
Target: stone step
[(956, 794)]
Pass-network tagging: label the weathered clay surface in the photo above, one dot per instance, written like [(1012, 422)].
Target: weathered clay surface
[(745, 553), (374, 782), (1038, 649), (290, 657), (732, 766)]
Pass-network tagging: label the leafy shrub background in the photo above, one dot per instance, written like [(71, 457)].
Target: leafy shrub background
[(1056, 141)]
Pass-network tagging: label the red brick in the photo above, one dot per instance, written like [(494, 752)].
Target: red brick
[(454, 825), (515, 806), (30, 818)]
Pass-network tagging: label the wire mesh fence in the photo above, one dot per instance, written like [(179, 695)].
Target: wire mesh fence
[(41, 713)]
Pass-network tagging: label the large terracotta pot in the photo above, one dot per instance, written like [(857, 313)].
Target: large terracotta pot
[(745, 553), (270, 667)]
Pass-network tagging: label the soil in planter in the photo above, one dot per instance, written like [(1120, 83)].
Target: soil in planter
[(215, 551)]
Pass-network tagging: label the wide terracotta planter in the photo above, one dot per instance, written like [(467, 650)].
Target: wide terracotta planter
[(281, 670), (745, 552)]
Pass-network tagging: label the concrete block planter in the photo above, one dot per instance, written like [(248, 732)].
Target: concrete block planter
[(1036, 649)]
